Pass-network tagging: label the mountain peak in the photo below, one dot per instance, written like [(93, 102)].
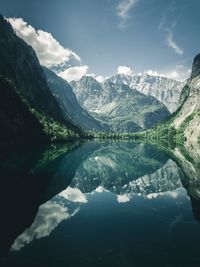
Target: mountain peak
[(7, 31), (1, 17), (196, 67), (86, 79), (3, 21)]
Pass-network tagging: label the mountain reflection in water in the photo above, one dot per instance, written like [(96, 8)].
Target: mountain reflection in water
[(92, 204)]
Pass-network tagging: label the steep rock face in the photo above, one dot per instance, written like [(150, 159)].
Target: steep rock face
[(184, 94), (88, 92), (65, 96), (189, 163), (164, 89), (187, 119), (17, 123), (196, 67), (122, 108), (19, 64)]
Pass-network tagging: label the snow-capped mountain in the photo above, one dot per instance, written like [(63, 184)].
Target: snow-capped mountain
[(89, 93), (164, 89), (122, 108)]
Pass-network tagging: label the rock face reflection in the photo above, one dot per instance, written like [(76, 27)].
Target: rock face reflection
[(127, 168), (189, 161)]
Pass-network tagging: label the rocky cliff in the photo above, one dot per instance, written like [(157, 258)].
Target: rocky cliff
[(187, 119), (164, 89), (122, 108), (28, 110)]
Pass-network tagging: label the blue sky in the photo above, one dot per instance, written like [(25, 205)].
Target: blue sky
[(155, 35)]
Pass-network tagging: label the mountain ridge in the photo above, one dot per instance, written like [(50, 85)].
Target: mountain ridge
[(123, 108), (162, 88)]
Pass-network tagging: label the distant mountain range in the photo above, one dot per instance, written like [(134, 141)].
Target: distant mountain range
[(122, 108), (164, 89)]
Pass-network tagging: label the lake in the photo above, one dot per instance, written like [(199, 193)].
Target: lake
[(97, 204)]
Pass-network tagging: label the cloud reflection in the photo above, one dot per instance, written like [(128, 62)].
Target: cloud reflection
[(74, 195), (49, 216), (172, 194), (123, 198)]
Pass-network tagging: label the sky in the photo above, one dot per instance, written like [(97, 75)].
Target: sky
[(105, 37)]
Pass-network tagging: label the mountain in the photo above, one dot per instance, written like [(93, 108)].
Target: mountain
[(164, 89), (20, 66), (122, 108), (88, 92), (65, 96), (17, 123), (187, 119)]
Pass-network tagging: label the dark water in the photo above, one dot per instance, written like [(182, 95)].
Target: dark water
[(114, 204)]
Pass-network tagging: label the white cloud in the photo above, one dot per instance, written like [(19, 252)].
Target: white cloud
[(172, 44), (91, 75), (124, 70), (74, 195), (74, 73), (168, 24), (123, 8), (100, 79), (179, 73), (49, 51), (153, 73), (123, 198)]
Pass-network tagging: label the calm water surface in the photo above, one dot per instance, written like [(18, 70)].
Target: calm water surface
[(111, 204)]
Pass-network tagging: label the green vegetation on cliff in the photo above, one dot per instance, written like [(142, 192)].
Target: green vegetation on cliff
[(22, 123)]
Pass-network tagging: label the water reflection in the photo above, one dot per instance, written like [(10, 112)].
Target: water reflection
[(26, 178), (114, 165), (85, 188), (49, 216)]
